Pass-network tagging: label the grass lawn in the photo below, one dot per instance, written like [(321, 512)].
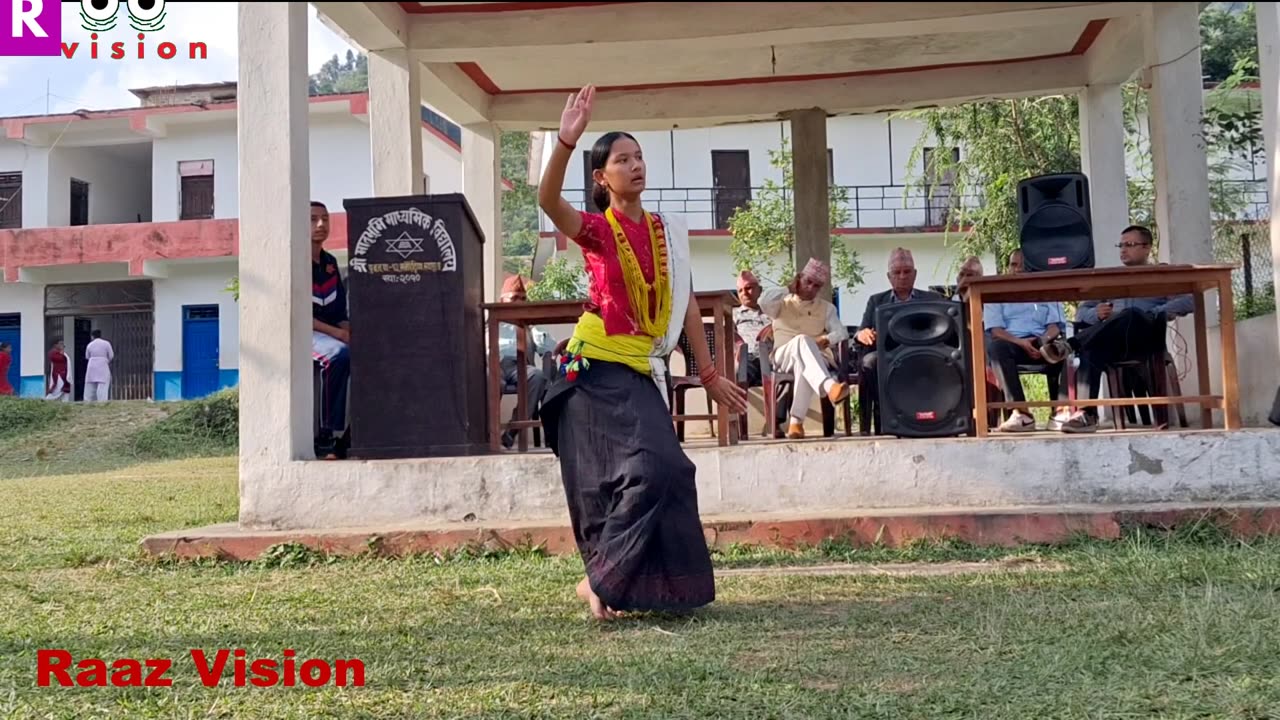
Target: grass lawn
[(1152, 627)]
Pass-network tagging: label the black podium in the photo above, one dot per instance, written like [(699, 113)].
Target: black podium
[(416, 282)]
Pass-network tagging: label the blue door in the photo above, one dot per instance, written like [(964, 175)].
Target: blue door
[(11, 332), (199, 350)]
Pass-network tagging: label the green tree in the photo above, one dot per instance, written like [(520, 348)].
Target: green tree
[(1006, 141), (1002, 142), (764, 231), (562, 279), (1227, 37), (519, 206), (342, 76)]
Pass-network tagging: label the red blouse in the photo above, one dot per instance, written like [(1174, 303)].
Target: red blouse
[(606, 286)]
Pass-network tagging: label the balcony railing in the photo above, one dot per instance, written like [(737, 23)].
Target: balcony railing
[(869, 207)]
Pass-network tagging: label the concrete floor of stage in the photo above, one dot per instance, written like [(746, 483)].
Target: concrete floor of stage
[(1034, 487)]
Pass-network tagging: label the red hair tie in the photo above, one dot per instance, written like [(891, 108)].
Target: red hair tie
[(562, 142)]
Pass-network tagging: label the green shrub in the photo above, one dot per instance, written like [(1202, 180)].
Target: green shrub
[(209, 426), (20, 416)]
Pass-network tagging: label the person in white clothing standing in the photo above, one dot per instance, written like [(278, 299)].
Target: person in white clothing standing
[(97, 376)]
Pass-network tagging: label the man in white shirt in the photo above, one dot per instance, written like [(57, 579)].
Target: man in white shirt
[(806, 328), (750, 323), (97, 375)]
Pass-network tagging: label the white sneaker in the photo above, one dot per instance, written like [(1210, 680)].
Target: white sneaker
[(1018, 422), (1058, 421)]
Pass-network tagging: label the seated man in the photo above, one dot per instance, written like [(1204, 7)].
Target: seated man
[(972, 268), (1024, 333), (537, 343), (750, 322), (330, 336), (805, 329), (902, 288), (1123, 329)]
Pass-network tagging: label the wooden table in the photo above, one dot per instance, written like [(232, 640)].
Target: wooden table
[(1112, 283), (717, 305)]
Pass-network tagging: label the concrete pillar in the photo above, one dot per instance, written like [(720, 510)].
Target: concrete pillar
[(482, 185), (1181, 170), (1171, 43), (395, 122), (1268, 21), (275, 237), (1102, 157), (812, 196)]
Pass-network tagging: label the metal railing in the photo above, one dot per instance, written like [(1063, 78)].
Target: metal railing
[(1242, 237), (890, 207)]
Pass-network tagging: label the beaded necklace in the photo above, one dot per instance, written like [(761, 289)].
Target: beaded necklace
[(638, 289)]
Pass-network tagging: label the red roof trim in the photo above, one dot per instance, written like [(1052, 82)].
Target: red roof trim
[(14, 127), (1082, 45)]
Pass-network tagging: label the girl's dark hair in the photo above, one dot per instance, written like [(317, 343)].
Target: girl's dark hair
[(599, 158)]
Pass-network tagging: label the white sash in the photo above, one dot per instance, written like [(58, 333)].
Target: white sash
[(681, 274)]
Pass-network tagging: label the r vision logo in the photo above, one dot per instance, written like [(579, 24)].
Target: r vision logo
[(33, 28), (30, 27), (100, 15)]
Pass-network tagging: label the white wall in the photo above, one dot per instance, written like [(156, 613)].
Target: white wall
[(442, 164), (1257, 377), (214, 141), (119, 189), (868, 151), (27, 300), (33, 163), (198, 284), (340, 163)]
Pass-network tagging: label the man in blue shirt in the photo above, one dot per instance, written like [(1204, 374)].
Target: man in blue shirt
[(1025, 333), (1122, 329)]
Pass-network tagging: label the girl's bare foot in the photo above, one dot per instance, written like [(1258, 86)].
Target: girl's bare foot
[(598, 609)]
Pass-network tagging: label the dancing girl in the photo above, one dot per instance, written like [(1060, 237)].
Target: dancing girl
[(629, 485)]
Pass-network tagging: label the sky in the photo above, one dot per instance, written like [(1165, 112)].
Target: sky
[(83, 82)]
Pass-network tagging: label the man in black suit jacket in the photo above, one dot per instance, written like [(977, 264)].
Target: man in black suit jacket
[(902, 288)]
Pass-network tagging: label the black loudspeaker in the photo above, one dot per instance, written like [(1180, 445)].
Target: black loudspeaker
[(1055, 223), (922, 362), (418, 361)]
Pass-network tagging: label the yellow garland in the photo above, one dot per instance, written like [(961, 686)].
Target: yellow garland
[(638, 288)]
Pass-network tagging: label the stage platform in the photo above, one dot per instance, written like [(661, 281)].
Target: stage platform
[(1000, 489)]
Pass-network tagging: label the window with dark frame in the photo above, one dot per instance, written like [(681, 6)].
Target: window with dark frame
[(195, 199), (731, 178), (10, 201), (79, 202)]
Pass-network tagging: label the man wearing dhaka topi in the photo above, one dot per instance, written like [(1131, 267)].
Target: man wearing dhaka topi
[(806, 328)]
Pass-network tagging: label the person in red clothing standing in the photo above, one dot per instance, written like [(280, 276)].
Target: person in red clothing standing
[(6, 358), (59, 388)]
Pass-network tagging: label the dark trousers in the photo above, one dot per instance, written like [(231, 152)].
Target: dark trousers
[(536, 384), (752, 369), (1125, 336), (335, 371), (1007, 356)]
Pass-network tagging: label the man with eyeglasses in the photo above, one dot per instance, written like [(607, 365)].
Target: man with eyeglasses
[(1122, 329)]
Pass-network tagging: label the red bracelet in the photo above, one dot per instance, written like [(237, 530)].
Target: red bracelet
[(708, 375), (562, 142)]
